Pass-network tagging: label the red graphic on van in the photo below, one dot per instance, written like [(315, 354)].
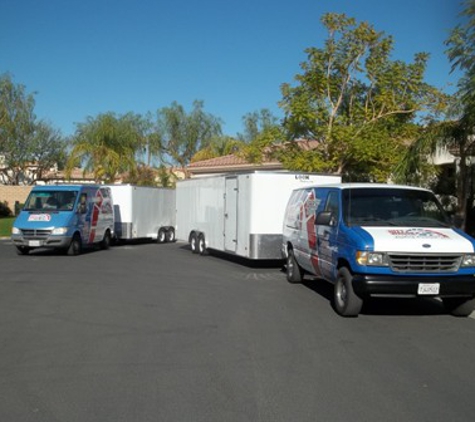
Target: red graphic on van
[(417, 234)]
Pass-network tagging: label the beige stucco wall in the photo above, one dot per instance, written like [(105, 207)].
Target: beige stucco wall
[(10, 194)]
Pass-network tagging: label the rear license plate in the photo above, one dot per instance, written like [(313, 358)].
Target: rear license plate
[(34, 243), (428, 288)]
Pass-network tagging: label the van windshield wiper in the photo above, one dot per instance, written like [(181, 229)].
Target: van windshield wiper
[(374, 221), (419, 220)]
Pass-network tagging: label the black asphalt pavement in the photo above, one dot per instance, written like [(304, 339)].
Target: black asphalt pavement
[(149, 332)]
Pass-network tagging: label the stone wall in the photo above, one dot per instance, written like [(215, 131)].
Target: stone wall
[(10, 194)]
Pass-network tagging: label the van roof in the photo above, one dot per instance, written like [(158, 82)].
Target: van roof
[(65, 187), (343, 186)]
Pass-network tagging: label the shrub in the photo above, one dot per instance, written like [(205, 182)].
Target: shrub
[(4, 210)]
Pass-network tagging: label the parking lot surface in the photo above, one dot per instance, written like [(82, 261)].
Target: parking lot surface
[(150, 332)]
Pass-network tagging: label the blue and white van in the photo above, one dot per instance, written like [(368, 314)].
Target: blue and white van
[(65, 217), (377, 240)]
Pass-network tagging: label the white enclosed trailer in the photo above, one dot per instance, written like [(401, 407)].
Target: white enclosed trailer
[(143, 212), (241, 213)]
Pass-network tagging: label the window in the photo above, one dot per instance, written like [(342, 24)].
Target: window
[(332, 205)]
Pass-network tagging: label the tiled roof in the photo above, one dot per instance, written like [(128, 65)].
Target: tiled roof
[(226, 161), (76, 174), (234, 162)]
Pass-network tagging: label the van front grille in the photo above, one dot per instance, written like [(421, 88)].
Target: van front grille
[(35, 234), (424, 263)]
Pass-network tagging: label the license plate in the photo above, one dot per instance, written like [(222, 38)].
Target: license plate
[(428, 288), (34, 243)]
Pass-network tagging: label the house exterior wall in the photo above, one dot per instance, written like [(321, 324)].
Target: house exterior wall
[(10, 194)]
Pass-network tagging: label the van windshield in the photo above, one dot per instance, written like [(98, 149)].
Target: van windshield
[(49, 200), (392, 207)]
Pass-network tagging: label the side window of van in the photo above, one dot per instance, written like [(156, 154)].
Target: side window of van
[(333, 206)]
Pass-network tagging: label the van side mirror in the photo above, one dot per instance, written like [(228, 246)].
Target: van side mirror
[(324, 218)]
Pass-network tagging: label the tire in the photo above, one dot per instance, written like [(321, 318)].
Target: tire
[(162, 235), (194, 243), (106, 241), (202, 245), (75, 246), (170, 235), (345, 300), (294, 272), (460, 307), (22, 250)]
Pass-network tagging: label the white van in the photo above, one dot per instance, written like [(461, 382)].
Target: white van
[(377, 240)]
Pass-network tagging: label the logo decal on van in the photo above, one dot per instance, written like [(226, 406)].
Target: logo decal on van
[(39, 217), (95, 214), (417, 234)]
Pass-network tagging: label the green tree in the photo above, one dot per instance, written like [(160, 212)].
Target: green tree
[(29, 146), (107, 145), (183, 134), (457, 133), (358, 103), (218, 147), (152, 148), (461, 133), (261, 129), (257, 122), (262, 137), (143, 176), (49, 150)]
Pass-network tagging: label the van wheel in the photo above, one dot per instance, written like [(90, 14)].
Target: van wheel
[(75, 246), (106, 241), (171, 234), (22, 250), (194, 243), (345, 300), (162, 235), (202, 245), (294, 272), (460, 307)]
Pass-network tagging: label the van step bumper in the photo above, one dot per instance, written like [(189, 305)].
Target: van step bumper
[(394, 286)]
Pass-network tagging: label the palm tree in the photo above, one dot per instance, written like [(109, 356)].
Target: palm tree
[(107, 145)]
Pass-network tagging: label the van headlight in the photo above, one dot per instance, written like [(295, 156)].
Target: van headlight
[(372, 258), (59, 230), (16, 230), (468, 260)]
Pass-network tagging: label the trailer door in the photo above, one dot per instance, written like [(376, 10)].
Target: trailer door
[(230, 214)]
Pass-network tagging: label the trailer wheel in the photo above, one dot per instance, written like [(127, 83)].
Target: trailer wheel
[(162, 235), (345, 300), (202, 245), (193, 243), (294, 272), (460, 307), (171, 234), (22, 250), (75, 246), (106, 241)]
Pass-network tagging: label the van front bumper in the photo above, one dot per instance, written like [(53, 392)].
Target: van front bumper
[(407, 286), (51, 241)]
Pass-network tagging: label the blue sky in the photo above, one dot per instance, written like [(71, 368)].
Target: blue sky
[(85, 57)]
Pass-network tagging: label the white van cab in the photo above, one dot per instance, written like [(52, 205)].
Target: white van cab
[(378, 240), (65, 217)]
